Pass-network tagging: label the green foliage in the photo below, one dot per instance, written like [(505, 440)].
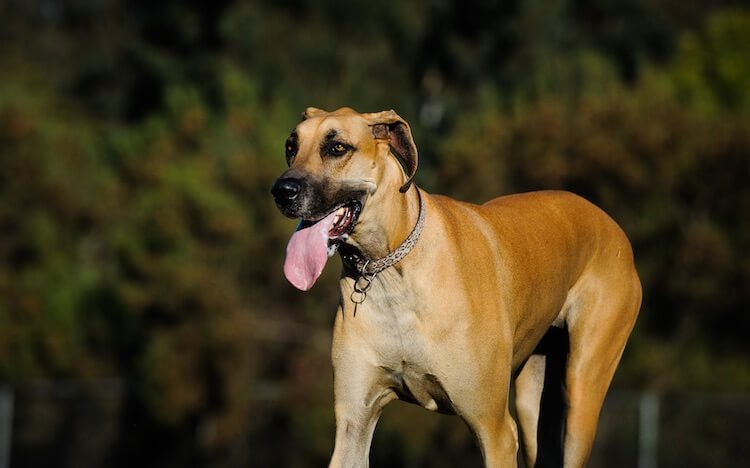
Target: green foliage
[(138, 239), (712, 69)]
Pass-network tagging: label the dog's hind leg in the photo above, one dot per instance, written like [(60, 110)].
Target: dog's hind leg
[(598, 331)]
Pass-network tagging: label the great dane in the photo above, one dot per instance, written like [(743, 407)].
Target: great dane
[(443, 303)]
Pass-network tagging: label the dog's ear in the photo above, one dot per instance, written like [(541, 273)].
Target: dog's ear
[(311, 112), (388, 125)]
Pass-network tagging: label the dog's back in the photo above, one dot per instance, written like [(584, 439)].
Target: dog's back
[(539, 245)]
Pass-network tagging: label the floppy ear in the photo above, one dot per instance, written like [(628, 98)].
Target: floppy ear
[(388, 125), (312, 112)]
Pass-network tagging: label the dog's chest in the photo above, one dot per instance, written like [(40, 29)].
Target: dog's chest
[(394, 322), (402, 345)]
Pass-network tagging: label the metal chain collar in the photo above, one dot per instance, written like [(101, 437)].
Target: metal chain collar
[(368, 269)]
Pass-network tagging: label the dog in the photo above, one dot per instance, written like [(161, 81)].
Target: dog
[(447, 304)]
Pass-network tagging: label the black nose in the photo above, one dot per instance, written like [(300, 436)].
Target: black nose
[(284, 191)]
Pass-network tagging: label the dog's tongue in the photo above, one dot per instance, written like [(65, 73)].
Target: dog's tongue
[(307, 253)]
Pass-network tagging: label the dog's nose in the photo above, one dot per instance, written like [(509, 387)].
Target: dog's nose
[(284, 191)]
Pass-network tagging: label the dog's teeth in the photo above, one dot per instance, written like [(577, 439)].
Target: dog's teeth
[(339, 214)]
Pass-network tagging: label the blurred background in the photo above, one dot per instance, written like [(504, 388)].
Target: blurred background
[(144, 318)]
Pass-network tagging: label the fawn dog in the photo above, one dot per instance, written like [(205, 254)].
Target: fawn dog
[(443, 303)]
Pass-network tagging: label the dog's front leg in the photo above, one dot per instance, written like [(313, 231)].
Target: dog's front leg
[(360, 394), (359, 401)]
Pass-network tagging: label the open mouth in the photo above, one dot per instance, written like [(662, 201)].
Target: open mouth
[(315, 241), (344, 221)]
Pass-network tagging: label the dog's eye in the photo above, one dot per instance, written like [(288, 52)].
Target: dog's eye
[(338, 149), (291, 150)]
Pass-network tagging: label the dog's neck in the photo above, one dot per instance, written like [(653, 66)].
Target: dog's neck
[(381, 231)]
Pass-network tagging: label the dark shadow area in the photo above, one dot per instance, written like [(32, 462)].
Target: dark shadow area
[(555, 346)]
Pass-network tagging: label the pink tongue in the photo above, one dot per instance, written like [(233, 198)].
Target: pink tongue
[(307, 253)]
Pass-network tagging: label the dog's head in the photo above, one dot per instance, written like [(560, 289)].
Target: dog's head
[(337, 162)]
